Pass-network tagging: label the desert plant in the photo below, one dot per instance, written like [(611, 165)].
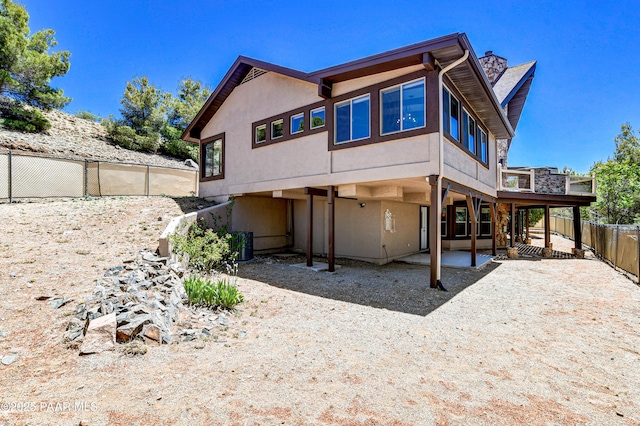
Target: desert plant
[(222, 293), (206, 248)]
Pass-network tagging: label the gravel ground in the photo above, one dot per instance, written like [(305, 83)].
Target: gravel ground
[(531, 341)]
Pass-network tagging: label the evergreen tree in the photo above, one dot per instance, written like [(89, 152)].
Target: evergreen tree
[(26, 66), (618, 180)]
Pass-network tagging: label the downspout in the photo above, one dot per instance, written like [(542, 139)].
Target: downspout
[(438, 202)]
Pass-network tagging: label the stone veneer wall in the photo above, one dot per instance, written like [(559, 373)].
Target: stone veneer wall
[(550, 183), (503, 151), (492, 65)]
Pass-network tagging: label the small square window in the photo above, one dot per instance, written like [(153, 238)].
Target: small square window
[(317, 118), (261, 133), (297, 123), (276, 129)]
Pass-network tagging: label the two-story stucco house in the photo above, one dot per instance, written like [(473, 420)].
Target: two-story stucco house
[(373, 159)]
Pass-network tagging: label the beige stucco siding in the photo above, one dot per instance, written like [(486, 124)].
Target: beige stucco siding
[(265, 217), (398, 152), (358, 83), (300, 226), (360, 231), (406, 236), (262, 97), (463, 168)]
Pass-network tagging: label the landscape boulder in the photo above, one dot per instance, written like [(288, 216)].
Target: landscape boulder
[(100, 336)]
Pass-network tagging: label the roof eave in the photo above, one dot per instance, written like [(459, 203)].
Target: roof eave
[(230, 81), (517, 87)]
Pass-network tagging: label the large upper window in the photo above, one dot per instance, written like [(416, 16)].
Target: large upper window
[(483, 145), (451, 114), (352, 119), (403, 107), (213, 159), (470, 129)]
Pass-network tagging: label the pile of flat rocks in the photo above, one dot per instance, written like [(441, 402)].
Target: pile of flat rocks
[(142, 299)]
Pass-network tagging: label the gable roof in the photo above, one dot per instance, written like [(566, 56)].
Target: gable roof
[(468, 77), (513, 87)]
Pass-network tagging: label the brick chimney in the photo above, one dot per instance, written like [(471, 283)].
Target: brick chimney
[(493, 66)]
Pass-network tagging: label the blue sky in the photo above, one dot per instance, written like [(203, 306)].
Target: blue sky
[(586, 85)]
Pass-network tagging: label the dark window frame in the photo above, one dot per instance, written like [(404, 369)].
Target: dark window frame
[(462, 131), (286, 125), (203, 145), (375, 116), (375, 112), (451, 222), (350, 102), (400, 87)]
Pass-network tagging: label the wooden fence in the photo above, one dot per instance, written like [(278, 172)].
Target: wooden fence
[(617, 244)]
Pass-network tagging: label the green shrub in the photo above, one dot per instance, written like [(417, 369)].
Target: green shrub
[(206, 249), (86, 115), (180, 149), (219, 294), (126, 137), (17, 125), (17, 117)]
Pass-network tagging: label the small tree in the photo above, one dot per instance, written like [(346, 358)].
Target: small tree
[(27, 67), (143, 106), (618, 180), (153, 120)]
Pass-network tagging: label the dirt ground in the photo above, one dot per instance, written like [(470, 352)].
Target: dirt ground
[(530, 341)]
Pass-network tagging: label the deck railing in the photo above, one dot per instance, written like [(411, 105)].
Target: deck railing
[(517, 180), (581, 185)]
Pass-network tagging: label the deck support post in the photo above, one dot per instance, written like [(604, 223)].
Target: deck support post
[(494, 232), (473, 210), (547, 226), (332, 216), (309, 230), (434, 230), (577, 227), (513, 225)]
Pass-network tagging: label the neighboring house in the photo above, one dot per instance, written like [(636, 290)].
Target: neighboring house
[(374, 159)]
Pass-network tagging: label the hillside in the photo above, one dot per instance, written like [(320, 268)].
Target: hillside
[(75, 137)]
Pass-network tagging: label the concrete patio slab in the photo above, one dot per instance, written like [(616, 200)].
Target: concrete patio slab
[(317, 266), (450, 259)]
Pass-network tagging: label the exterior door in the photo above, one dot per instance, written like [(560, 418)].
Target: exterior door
[(424, 227)]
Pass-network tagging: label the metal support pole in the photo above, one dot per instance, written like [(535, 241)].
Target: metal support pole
[(148, 181), (10, 159), (86, 178)]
